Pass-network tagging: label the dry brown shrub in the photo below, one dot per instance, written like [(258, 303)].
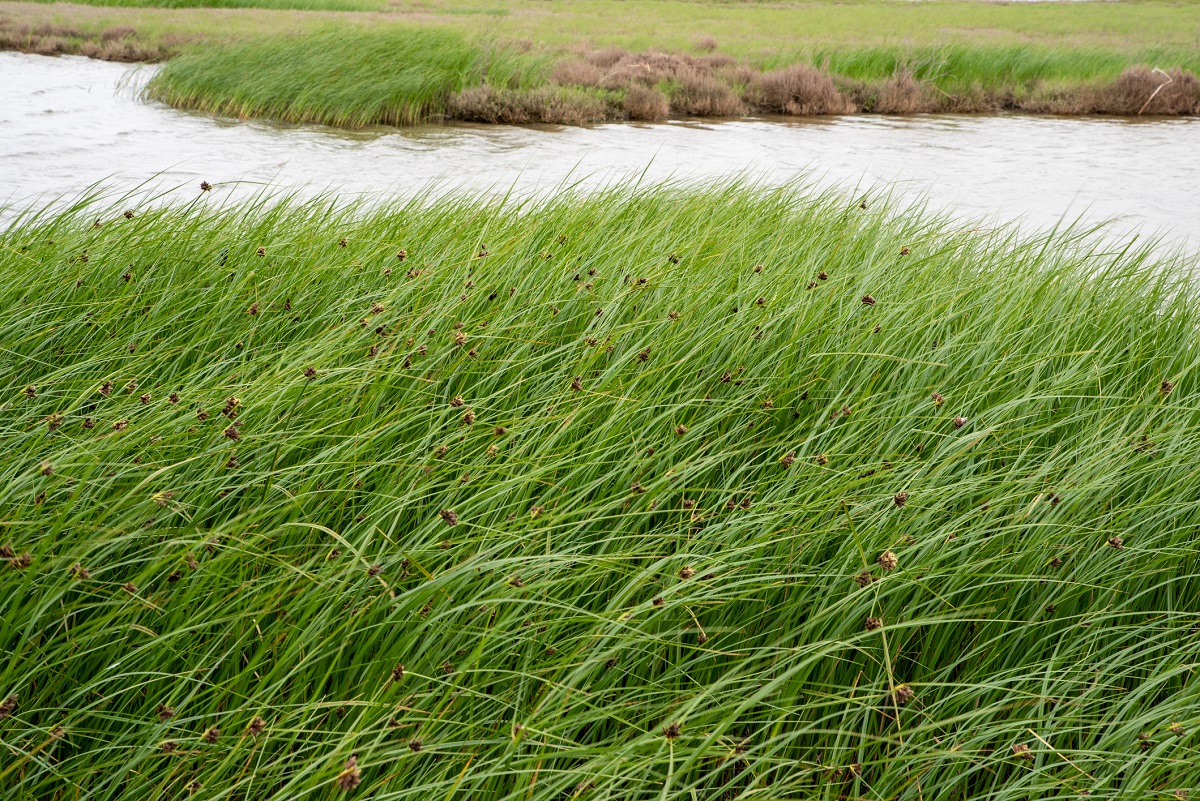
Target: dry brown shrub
[(577, 73), (117, 33), (902, 94), (704, 44), (698, 94), (549, 104), (606, 57), (800, 90), (1141, 90), (645, 103)]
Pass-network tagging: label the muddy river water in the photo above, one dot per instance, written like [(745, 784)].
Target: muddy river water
[(67, 123)]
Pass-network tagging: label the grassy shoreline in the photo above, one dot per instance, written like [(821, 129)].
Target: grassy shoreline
[(645, 495), (222, 60)]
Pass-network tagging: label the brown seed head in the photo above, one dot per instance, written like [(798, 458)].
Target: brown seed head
[(460, 338), (671, 731), (106, 389), (415, 744), (687, 572), (788, 459), (644, 355), (130, 588), (257, 726), (1021, 751), (1165, 387), (760, 301), (902, 695), (887, 560), (120, 425), (873, 623), (80, 572), (8, 706), (959, 422), (164, 712), (401, 255), (900, 498), (456, 401), (469, 417), (938, 400), (310, 373), (673, 315), (261, 251), (1117, 543), (536, 511), (680, 430), (167, 746), (205, 186), (350, 777), (212, 735), (126, 277), (232, 433), (21, 561), (449, 516), (636, 487), (821, 459)]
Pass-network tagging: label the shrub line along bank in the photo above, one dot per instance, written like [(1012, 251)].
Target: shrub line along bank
[(386, 78)]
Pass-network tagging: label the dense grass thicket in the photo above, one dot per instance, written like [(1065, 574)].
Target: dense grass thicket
[(398, 76), (654, 494)]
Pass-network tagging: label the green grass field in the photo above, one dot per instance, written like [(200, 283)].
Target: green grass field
[(650, 494)]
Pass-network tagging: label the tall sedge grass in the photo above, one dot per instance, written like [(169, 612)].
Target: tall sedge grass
[(654, 494), (346, 78), (405, 76)]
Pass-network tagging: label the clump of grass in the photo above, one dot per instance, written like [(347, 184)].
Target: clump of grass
[(344, 78), (654, 584)]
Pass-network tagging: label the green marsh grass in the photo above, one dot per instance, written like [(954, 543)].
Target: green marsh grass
[(650, 494), (343, 78)]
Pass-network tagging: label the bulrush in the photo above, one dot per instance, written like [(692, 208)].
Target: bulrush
[(46, 469), (821, 276), (887, 560), (788, 459), (904, 251), (8, 706), (760, 301), (397, 672), (120, 425), (821, 459), (261, 251), (680, 430), (257, 726), (673, 315), (164, 712), (253, 310), (173, 398), (900, 498), (232, 433), (937, 398), (457, 401), (211, 735), (106, 389), (89, 423), (658, 601), (54, 422), (80, 572), (449, 516), (129, 587), (1165, 387), (758, 268), (469, 417), (959, 422), (536, 511), (686, 572), (636, 488), (145, 399), (350, 777), (873, 623), (644, 354), (863, 579), (205, 186), (460, 338), (672, 731), (31, 391), (1116, 543), (415, 745), (401, 255), (126, 277), (310, 373)]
